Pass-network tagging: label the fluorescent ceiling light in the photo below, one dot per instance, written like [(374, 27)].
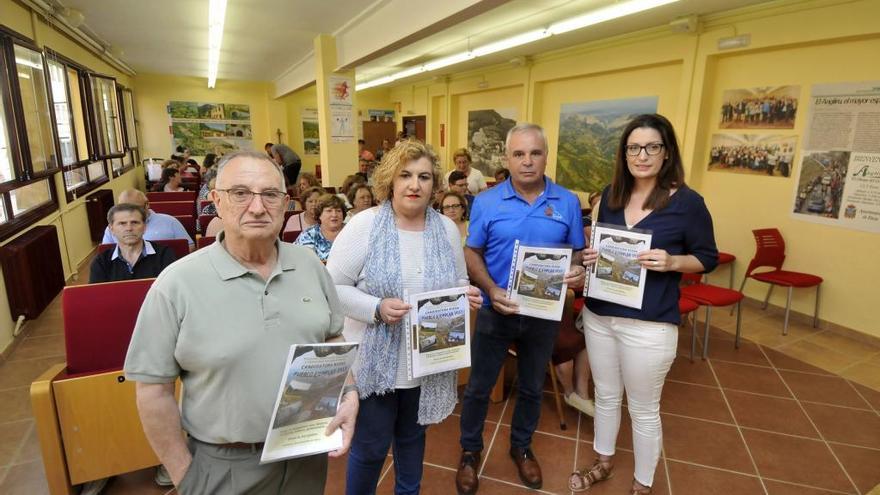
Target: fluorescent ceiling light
[(504, 44), (216, 17), (595, 17), (608, 13)]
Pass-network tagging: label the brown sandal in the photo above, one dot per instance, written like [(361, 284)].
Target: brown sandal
[(586, 478), (645, 490)]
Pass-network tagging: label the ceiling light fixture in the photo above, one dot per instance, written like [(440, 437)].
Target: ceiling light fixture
[(597, 16), (216, 17)]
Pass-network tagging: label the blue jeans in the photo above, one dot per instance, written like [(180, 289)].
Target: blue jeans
[(381, 420), (534, 339)]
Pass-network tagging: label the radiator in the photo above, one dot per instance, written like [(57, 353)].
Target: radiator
[(32, 270), (97, 206)]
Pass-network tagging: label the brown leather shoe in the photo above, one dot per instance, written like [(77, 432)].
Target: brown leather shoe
[(466, 481), (527, 466)]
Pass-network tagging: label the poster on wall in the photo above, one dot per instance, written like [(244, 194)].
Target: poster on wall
[(839, 179), (588, 136), (487, 130), (311, 141), (768, 155), (210, 127), (380, 115), (767, 107), (341, 111)]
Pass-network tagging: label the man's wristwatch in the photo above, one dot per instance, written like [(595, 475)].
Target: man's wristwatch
[(351, 387)]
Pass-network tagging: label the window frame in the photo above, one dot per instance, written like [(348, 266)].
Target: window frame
[(23, 174), (91, 184), (95, 124), (131, 152)]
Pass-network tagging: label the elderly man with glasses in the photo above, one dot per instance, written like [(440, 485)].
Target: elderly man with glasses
[(222, 322)]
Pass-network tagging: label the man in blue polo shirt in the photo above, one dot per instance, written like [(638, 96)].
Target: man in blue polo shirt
[(159, 225), (532, 209)]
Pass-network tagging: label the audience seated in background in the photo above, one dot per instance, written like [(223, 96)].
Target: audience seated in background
[(172, 163), (475, 180), (132, 257), (191, 167), (306, 181), (347, 184), (330, 211), (386, 147), (361, 197), (363, 152), (170, 181), (159, 225), (501, 174), (454, 205), (458, 182), (309, 215)]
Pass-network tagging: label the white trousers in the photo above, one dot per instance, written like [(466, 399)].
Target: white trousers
[(631, 355)]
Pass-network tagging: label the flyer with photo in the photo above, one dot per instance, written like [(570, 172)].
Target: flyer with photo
[(617, 276), (439, 338), (309, 394), (536, 280)]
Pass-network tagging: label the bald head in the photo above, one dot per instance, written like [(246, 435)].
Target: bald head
[(134, 197)]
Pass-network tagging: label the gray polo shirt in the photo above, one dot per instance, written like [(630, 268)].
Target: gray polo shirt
[(226, 333)]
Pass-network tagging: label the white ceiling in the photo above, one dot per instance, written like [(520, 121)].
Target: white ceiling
[(263, 38)]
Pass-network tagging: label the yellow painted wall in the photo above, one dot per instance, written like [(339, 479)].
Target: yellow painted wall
[(155, 91), (70, 220), (294, 103), (793, 42)]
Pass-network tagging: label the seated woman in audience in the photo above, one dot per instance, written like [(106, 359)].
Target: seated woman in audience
[(475, 180), (170, 181), (454, 206), (191, 166), (347, 184), (305, 182), (631, 349), (361, 197), (371, 273), (309, 215), (329, 211)]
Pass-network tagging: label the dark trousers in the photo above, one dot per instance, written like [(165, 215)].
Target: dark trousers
[(534, 339), (383, 421)]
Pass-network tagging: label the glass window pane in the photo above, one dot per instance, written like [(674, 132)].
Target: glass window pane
[(75, 178), (104, 95), (30, 196), (63, 117), (76, 110), (127, 160), (35, 105), (2, 211), (97, 171), (116, 163), (131, 131), (6, 172)]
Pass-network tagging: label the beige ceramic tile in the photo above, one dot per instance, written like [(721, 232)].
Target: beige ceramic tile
[(11, 437), (16, 374), (768, 332), (39, 347), (852, 348), (25, 479), (817, 355), (15, 404), (867, 374)]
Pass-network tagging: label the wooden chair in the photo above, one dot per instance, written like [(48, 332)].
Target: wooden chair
[(161, 197), (174, 207), (85, 412), (770, 252)]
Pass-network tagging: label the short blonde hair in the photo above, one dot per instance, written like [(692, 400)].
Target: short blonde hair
[(462, 152), (395, 159)]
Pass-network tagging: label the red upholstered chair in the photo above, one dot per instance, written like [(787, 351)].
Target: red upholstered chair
[(174, 207), (180, 246), (770, 252), (204, 242), (709, 296), (290, 235), (98, 322), (189, 223), (204, 221), (158, 197), (203, 203)]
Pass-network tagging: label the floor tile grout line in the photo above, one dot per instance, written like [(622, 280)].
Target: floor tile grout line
[(385, 472), (856, 390), (792, 483), (21, 445), (495, 433), (819, 432), (864, 360), (769, 396), (666, 469), (577, 445), (738, 429), (518, 485)]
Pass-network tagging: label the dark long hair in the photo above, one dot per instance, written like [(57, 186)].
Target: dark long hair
[(671, 175)]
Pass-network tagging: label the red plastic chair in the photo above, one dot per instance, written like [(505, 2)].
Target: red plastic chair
[(727, 259), (770, 252), (710, 295)]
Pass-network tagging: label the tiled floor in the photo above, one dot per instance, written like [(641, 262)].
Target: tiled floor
[(781, 415)]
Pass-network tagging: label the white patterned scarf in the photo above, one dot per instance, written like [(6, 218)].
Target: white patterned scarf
[(380, 344)]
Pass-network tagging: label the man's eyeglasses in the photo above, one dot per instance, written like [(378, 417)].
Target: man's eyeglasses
[(451, 207), (242, 196), (651, 149)]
